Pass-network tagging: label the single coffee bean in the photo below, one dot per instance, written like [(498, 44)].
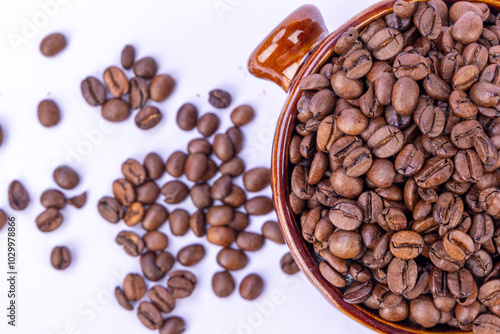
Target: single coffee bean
[(134, 172), (197, 223), (405, 94), (93, 91), (486, 323), (132, 243), (124, 192), (260, 205), (128, 57), (249, 241), (161, 87), (200, 195), (145, 67), (115, 110), (221, 188), (468, 165), (406, 244), (149, 315), (345, 244), (179, 222), (219, 99), (52, 44), (18, 196), (139, 92), (221, 235), (155, 216), (479, 263), (78, 201), (191, 255), (147, 193), (156, 265), (411, 65), (401, 275), (187, 117), (423, 311), (196, 166), (461, 284), (208, 124), (489, 293), (346, 216), (116, 81), (53, 198), (223, 148), (358, 292), (467, 28), (251, 287), (288, 265), (386, 141), (244, 114), (176, 163), (134, 287), (162, 298), (256, 179), (155, 241), (174, 192), (239, 222), (232, 259), (458, 245), (154, 166), (441, 259), (122, 299), (173, 325), (199, 145), (181, 283), (148, 118), (236, 136), (49, 220), (110, 209), (233, 167), (223, 284), (272, 231), (66, 177), (60, 258), (48, 113)]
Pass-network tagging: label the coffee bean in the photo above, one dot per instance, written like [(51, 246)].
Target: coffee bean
[(53, 198), (219, 99), (406, 244), (176, 163), (458, 245), (187, 116), (49, 220), (147, 193), (385, 44), (110, 209), (260, 205), (124, 192), (132, 243), (145, 67), (161, 87), (200, 195), (18, 196), (128, 56), (48, 113), (154, 166), (66, 177), (345, 244), (243, 114), (181, 283), (196, 166), (357, 292), (486, 323), (139, 92), (155, 216), (221, 187), (249, 241), (116, 81), (251, 287), (148, 118), (134, 287), (162, 298), (197, 223), (272, 231), (3, 218), (288, 265), (122, 299), (386, 141), (467, 28), (208, 124), (191, 255), (174, 192), (221, 235), (256, 179), (219, 215), (346, 216), (155, 241), (60, 258), (424, 312), (232, 259), (149, 315), (223, 148), (52, 44), (223, 284), (115, 110), (179, 222), (78, 201), (156, 265), (134, 172), (93, 91), (488, 293), (173, 325)]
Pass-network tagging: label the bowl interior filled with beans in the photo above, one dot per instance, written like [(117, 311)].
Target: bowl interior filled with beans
[(385, 166)]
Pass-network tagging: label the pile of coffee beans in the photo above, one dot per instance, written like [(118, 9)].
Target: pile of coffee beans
[(219, 215), (394, 158), (130, 94), (53, 200)]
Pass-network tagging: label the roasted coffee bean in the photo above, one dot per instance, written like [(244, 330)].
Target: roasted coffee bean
[(467, 28), (441, 259), (173, 325), (66, 177), (181, 283), (219, 215), (53, 198), (343, 86), (234, 133), (256, 179), (219, 99), (128, 56), (115, 110), (49, 220), (385, 44), (149, 315), (244, 114), (423, 312), (147, 193), (148, 118), (197, 223), (427, 20), (460, 284), (406, 244), (221, 187), (272, 231), (223, 284), (175, 164), (187, 117), (122, 299), (239, 222), (161, 87), (124, 192), (458, 245), (468, 166), (357, 292), (132, 243), (153, 165), (221, 235), (179, 222), (155, 216), (489, 293), (139, 92), (479, 263), (110, 209), (48, 113), (134, 172), (196, 165), (174, 192), (485, 94), (346, 216), (200, 195), (156, 265), (251, 287), (249, 241), (60, 258), (232, 259), (345, 244), (116, 81), (208, 124), (386, 141), (134, 287), (162, 298), (259, 205), (52, 44), (145, 67), (401, 275), (199, 145), (191, 255), (288, 265), (93, 91), (223, 148), (381, 174), (155, 241)]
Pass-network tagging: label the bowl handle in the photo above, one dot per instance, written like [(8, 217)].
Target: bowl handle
[(279, 55)]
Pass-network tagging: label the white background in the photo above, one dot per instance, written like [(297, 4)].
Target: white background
[(203, 45)]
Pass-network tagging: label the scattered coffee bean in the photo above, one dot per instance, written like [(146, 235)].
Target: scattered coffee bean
[(93, 91), (128, 56), (256, 179), (49, 220), (60, 258), (139, 92), (116, 81), (191, 255), (48, 113), (122, 299), (115, 110), (187, 117), (173, 325), (242, 115), (219, 99), (132, 243), (148, 118), (181, 283), (179, 222), (18, 196), (110, 209), (52, 44), (145, 67), (208, 124), (53, 198), (154, 166), (223, 284), (149, 315), (161, 87), (260, 205), (78, 201), (271, 230), (162, 298), (288, 265), (251, 287)]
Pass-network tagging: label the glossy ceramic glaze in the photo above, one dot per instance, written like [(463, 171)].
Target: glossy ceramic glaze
[(309, 55)]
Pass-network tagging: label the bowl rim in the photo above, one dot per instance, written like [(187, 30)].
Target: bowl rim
[(280, 178)]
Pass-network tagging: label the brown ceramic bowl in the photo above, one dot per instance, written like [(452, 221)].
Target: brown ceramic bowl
[(300, 45)]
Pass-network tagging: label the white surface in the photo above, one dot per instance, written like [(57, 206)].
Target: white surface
[(203, 44)]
